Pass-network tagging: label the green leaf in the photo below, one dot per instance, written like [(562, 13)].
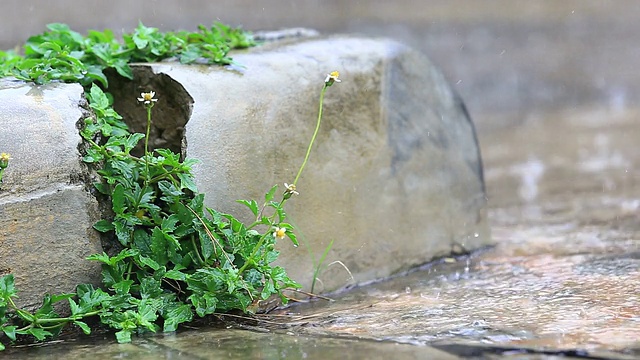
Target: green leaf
[(7, 288), (176, 316), (122, 287), (205, 303), (100, 257), (118, 200), (150, 288), (269, 195), (123, 336), (168, 189), (206, 243), (187, 182), (131, 141), (75, 309), (46, 310), (122, 231), (252, 205), (294, 239), (38, 333), (175, 275), (98, 99), (85, 328), (145, 261), (268, 290), (10, 331), (103, 226), (169, 223), (158, 246)]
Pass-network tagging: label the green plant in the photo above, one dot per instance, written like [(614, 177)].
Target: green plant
[(4, 162), (177, 257), (63, 54)]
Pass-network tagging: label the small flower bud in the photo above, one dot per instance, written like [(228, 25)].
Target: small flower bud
[(4, 160), (331, 78)]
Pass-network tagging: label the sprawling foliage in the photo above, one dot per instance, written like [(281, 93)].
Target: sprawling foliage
[(175, 257)]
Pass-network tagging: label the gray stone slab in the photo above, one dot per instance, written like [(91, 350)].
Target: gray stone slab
[(46, 210), (395, 177)]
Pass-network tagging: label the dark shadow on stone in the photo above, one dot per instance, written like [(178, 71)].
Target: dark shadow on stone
[(169, 115)]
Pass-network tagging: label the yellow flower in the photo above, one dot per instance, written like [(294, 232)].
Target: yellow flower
[(4, 160), (331, 78), (290, 189), (147, 98), (278, 233)]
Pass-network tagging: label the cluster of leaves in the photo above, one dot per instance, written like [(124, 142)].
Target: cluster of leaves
[(177, 258), (63, 54)]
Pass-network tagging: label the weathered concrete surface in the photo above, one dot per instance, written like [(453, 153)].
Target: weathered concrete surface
[(46, 212), (395, 176), (394, 179)]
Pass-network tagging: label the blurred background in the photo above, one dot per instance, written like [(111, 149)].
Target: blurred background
[(549, 84), (502, 55)]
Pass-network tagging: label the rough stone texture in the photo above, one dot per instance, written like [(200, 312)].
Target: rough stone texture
[(46, 211), (395, 177)]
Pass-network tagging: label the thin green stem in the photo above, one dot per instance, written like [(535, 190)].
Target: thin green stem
[(315, 133), (255, 251), (146, 141), (195, 249)]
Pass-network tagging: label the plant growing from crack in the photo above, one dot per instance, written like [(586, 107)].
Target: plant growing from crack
[(177, 258), (4, 162)]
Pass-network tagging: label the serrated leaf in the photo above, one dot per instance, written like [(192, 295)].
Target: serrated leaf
[(143, 260), (175, 275), (100, 257), (10, 331), (75, 309), (158, 246), (85, 328), (122, 287), (103, 226), (118, 199), (98, 98), (169, 223), (176, 316), (7, 287), (269, 195), (123, 336), (187, 182), (251, 204), (38, 333)]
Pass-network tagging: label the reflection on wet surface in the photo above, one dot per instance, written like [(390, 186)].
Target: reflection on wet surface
[(502, 297)]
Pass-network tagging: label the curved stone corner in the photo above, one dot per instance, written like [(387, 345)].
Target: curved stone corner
[(395, 178), (46, 208)]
